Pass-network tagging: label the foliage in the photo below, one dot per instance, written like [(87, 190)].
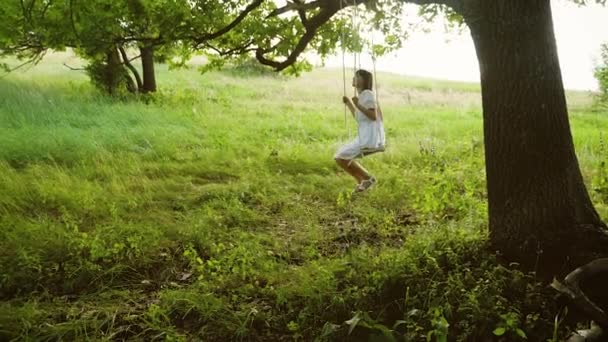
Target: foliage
[(276, 37)]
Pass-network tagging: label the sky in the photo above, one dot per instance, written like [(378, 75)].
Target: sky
[(579, 33)]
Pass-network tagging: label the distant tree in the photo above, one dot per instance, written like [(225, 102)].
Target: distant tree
[(601, 73), (110, 34)]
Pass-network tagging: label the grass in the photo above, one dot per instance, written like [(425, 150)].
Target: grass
[(213, 211)]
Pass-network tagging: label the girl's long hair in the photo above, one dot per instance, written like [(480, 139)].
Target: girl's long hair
[(367, 77)]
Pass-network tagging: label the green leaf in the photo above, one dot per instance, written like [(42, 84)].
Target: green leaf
[(499, 331), (329, 329), (399, 323), (382, 334), (521, 333), (352, 323)]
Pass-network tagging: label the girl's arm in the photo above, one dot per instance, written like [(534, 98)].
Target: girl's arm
[(349, 104), (370, 113)]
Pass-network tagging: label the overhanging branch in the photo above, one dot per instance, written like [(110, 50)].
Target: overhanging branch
[(237, 51), (454, 4), (311, 26), (255, 4), (302, 13), (73, 68), (323, 11), (328, 8), (297, 6)]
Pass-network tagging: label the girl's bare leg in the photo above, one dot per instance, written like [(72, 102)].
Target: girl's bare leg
[(360, 171), (344, 164)]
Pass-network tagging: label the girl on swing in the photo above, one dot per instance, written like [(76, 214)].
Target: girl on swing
[(370, 139)]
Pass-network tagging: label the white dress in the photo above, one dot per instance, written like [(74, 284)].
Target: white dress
[(370, 135)]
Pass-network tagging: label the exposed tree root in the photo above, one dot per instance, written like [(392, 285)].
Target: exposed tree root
[(571, 288), (594, 333)]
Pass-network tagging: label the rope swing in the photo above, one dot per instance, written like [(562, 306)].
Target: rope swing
[(355, 27)]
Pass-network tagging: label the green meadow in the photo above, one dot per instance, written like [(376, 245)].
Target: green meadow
[(213, 211)]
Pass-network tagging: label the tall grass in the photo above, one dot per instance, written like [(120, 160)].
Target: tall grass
[(214, 211)]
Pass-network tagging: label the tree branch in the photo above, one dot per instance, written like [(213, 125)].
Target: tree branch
[(456, 5), (27, 11), (255, 4), (302, 12), (298, 6), (328, 9), (31, 7), (324, 11), (127, 62), (46, 7), (72, 21), (72, 68), (235, 51), (30, 62)]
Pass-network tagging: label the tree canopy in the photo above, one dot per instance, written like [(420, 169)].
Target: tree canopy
[(106, 32), (277, 36)]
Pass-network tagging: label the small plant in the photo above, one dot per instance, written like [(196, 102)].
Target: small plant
[(440, 326), (559, 319), (196, 263), (344, 198), (601, 179), (510, 326), (367, 327)]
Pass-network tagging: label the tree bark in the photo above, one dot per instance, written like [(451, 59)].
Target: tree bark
[(147, 63), (112, 75), (540, 213)]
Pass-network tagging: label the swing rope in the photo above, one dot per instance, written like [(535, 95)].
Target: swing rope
[(357, 46), (376, 90), (346, 126), (355, 27), (357, 62), (379, 114)]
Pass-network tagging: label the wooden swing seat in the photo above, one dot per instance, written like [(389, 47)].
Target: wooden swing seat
[(369, 151)]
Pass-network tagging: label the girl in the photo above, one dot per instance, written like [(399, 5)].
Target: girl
[(370, 138)]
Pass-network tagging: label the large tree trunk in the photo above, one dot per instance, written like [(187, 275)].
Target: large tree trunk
[(540, 211), (147, 63)]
